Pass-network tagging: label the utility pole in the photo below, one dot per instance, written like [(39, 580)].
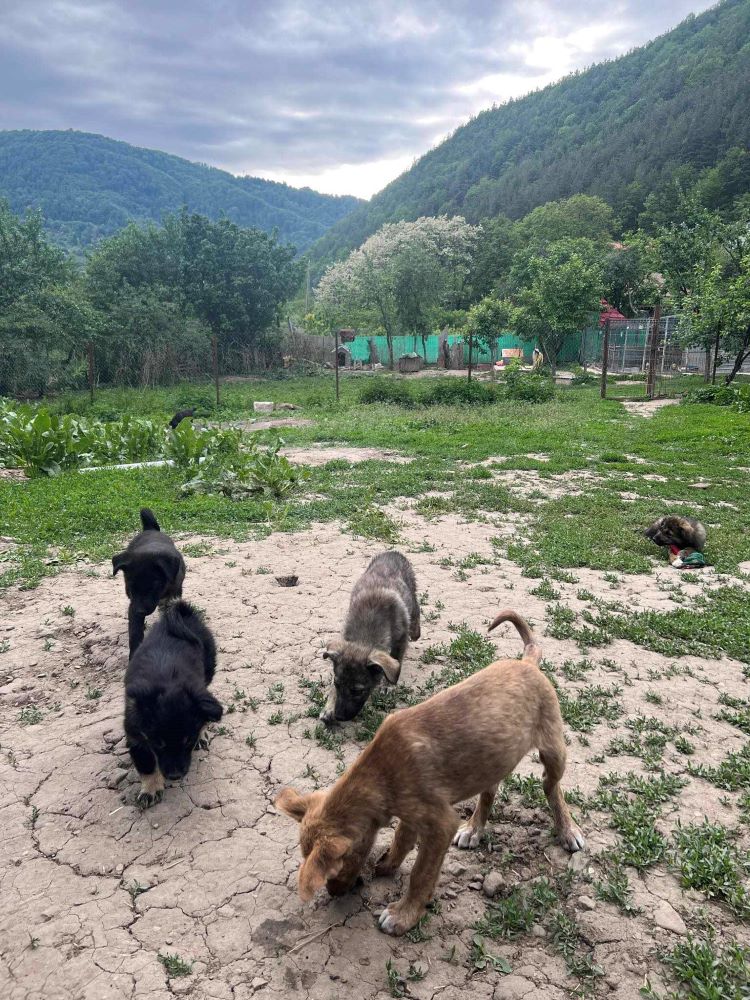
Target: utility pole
[(471, 345), (337, 364), (605, 359), (307, 289), (215, 364), (651, 379)]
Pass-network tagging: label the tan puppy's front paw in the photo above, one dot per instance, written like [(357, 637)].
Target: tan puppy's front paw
[(467, 837), (393, 920), (573, 838)]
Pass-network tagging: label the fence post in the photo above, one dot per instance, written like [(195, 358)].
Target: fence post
[(215, 364), (716, 355), (337, 364), (605, 359), (471, 345), (90, 352), (651, 381)]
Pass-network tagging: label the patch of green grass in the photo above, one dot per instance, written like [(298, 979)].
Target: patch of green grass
[(616, 889), (567, 940), (683, 745), (465, 655), (648, 740), (546, 591), (276, 693), (135, 889), (276, 719), (69, 611), (175, 965), (739, 717), (707, 969), (732, 774), (372, 522), (30, 715), (93, 693), (517, 912), (708, 860)]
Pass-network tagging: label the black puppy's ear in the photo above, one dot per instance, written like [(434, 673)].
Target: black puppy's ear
[(120, 561), (209, 707)]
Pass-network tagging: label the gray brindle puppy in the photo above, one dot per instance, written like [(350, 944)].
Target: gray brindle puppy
[(383, 615)]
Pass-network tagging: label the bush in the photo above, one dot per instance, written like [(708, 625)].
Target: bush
[(735, 395), (453, 391), (385, 390), (580, 377), (527, 386)]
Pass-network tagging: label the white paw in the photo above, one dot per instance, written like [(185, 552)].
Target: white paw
[(574, 840), (387, 922), (467, 838)]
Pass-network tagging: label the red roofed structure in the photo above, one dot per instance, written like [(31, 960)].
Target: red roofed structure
[(608, 312)]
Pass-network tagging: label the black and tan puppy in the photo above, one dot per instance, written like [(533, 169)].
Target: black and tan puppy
[(167, 701), (383, 615), (154, 571), (180, 416), (682, 532)]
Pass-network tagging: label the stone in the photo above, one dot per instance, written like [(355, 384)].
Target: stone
[(262, 407), (493, 883), (667, 917), (538, 931), (587, 903)]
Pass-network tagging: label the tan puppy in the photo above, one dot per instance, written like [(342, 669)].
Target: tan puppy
[(459, 743)]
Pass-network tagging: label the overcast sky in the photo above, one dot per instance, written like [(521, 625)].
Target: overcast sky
[(340, 96)]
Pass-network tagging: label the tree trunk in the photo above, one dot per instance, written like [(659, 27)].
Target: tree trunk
[(707, 364), (389, 340), (742, 354)]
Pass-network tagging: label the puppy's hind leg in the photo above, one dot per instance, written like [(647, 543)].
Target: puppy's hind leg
[(470, 834), (554, 767)]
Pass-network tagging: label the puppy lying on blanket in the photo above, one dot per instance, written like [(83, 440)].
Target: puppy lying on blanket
[(154, 571), (459, 743)]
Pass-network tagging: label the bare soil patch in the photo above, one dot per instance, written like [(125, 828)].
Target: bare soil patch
[(96, 889), (648, 407), (321, 455)]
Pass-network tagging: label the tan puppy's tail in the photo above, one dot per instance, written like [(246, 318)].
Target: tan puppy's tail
[(531, 651)]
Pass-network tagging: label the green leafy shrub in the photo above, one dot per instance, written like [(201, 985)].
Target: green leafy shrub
[(385, 390), (530, 387), (241, 474), (456, 391), (735, 395)]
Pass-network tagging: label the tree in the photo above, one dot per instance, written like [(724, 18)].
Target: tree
[(558, 290), (584, 217), (44, 316), (400, 277), (487, 320)]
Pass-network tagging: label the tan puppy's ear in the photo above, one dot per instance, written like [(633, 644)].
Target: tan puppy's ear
[(292, 804), (323, 862), (390, 667), (333, 650)]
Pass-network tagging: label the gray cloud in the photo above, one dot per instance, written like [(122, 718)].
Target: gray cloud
[(288, 88)]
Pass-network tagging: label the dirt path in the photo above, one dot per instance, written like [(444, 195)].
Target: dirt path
[(94, 889)]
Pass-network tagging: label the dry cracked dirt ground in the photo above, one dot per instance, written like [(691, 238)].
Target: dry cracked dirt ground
[(101, 899)]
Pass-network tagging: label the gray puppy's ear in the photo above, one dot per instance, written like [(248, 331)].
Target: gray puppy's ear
[(333, 650), (391, 668)]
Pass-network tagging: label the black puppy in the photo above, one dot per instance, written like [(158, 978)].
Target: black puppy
[(180, 416), (383, 615), (154, 571), (167, 702)]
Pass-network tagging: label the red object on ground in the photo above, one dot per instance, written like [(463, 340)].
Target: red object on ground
[(674, 549)]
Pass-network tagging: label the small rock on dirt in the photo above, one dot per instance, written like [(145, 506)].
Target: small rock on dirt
[(667, 917), (262, 407), (493, 883), (587, 903)]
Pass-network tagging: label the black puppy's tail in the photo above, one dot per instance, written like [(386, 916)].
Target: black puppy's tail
[(531, 650), (148, 520), (179, 617)]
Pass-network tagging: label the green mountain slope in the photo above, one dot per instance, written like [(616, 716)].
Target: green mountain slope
[(88, 186), (618, 130)]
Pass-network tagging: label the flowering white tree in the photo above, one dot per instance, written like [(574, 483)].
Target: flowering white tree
[(400, 276)]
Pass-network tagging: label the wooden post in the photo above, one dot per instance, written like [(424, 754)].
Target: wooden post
[(716, 355), (605, 359), (337, 365), (651, 380), (215, 364), (90, 352), (471, 345)]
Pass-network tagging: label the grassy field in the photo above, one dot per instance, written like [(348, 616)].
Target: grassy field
[(539, 506)]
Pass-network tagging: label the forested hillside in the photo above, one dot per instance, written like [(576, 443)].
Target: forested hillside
[(622, 130), (88, 186)]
